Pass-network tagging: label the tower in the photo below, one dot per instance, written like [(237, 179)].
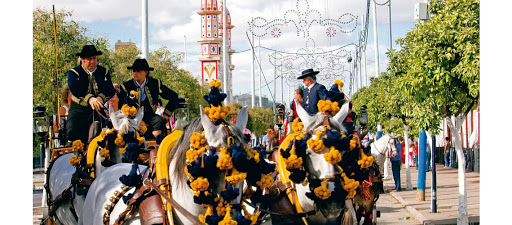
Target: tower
[(210, 40), (230, 50)]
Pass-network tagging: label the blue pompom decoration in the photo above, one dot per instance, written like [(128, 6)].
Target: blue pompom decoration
[(297, 175), (204, 199), (215, 98), (239, 158), (132, 152), (213, 219), (230, 193), (195, 168), (333, 94), (132, 179)]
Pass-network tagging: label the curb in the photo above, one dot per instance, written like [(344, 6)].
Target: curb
[(417, 215)]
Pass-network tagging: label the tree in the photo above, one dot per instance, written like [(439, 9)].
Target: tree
[(70, 40), (442, 72)]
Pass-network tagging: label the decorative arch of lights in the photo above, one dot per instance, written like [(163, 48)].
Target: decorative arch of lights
[(331, 64)]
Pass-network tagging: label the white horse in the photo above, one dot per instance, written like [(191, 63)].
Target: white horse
[(107, 183), (61, 171), (381, 147), (319, 168)]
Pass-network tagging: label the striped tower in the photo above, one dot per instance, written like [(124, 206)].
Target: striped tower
[(230, 50), (210, 41)]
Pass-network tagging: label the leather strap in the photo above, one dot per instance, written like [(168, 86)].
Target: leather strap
[(174, 204)]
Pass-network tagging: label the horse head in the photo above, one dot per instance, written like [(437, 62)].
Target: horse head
[(315, 163), (216, 134), (123, 122)]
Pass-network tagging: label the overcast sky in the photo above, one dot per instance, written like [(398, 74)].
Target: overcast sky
[(171, 20)]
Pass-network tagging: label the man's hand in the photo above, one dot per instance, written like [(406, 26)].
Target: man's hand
[(96, 103)]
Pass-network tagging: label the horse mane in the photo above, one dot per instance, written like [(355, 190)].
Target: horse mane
[(178, 152)]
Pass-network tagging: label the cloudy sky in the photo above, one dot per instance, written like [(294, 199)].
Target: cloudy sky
[(170, 21)]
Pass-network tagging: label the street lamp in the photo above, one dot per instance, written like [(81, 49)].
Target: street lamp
[(180, 114), (363, 117), (41, 122), (279, 117)]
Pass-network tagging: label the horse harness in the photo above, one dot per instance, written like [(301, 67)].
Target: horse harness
[(150, 188)]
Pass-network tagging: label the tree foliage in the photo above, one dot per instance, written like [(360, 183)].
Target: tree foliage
[(440, 60), (70, 39)]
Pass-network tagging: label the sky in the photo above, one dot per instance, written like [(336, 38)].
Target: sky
[(174, 22)]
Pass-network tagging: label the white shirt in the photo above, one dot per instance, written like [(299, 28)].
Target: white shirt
[(311, 86), (142, 92)]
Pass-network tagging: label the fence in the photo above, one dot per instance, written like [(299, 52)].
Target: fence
[(471, 155)]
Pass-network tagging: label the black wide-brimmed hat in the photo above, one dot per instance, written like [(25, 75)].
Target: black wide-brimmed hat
[(88, 50), (140, 64), (308, 73)]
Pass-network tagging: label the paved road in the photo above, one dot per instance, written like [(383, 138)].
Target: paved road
[(37, 196)]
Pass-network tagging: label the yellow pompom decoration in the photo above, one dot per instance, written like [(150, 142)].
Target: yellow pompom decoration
[(265, 181), (293, 162), (333, 156), (208, 212), (78, 146), (134, 93), (236, 177), (200, 184), (74, 160), (197, 140), (139, 138), (216, 112), (215, 83), (317, 145), (339, 83), (322, 191), (224, 162), (352, 145), (221, 206), (256, 155), (301, 135), (122, 150), (350, 185), (127, 110), (328, 106), (119, 140), (297, 126), (192, 155), (142, 129), (365, 161), (104, 153), (228, 220), (103, 133)]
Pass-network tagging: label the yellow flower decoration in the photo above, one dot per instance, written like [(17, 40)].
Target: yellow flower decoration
[(236, 177), (127, 110), (301, 135), (134, 93), (328, 106), (215, 83), (297, 126), (224, 162), (78, 146), (352, 145), (139, 138), (103, 134), (228, 220), (200, 184), (122, 150), (333, 156), (119, 140), (208, 212), (104, 153), (350, 185), (142, 129), (265, 181), (74, 160), (365, 161), (317, 145), (192, 155), (197, 140), (293, 162), (339, 83), (216, 112), (322, 191), (256, 155), (221, 206)]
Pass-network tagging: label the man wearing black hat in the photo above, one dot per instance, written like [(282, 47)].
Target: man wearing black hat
[(148, 91), (90, 87), (313, 91)]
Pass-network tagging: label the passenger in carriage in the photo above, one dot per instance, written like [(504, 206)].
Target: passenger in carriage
[(298, 95), (114, 101), (149, 90), (90, 86), (58, 125), (313, 91)]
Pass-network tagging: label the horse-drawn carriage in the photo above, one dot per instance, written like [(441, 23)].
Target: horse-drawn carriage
[(204, 172)]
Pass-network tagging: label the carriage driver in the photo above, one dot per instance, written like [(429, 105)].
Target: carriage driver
[(148, 91), (90, 87)]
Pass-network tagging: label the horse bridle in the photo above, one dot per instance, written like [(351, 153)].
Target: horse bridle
[(391, 138)]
